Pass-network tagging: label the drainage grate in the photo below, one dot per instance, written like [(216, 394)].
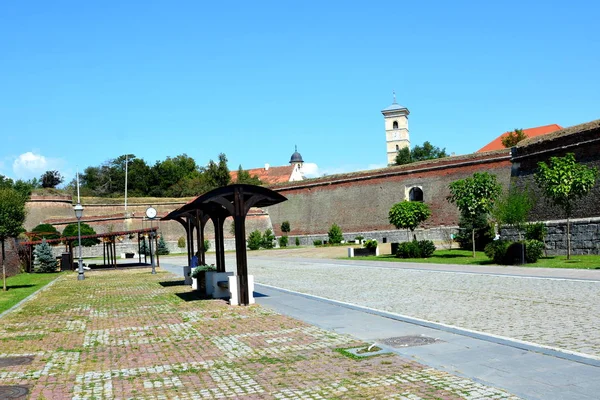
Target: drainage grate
[(409, 341), (14, 392), (12, 361)]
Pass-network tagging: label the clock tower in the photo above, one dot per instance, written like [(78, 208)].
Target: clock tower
[(396, 129)]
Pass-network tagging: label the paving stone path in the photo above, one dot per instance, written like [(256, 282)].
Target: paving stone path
[(133, 335), (560, 313)]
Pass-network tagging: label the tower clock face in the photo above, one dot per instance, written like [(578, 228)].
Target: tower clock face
[(151, 212)]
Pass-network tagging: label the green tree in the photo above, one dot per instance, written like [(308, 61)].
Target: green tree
[(513, 138), (268, 239), (403, 156), (217, 175), (427, 152), (162, 249), (181, 242), (44, 258), (12, 217), (245, 177), (419, 153), (255, 240), (335, 234), (51, 179), (513, 208), (45, 231), (71, 231), (475, 196), (409, 215), (285, 227), (283, 241), (564, 181)]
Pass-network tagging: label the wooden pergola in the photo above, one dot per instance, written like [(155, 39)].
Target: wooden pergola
[(218, 204), (108, 240)]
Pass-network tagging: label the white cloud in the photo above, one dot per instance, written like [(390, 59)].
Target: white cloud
[(311, 170), (29, 165)]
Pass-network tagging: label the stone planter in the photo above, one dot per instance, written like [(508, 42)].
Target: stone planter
[(199, 284), (365, 252)]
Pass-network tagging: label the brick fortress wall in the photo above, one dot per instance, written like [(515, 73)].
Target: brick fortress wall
[(360, 202)]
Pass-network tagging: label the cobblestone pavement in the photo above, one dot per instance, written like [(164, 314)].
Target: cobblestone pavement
[(560, 313), (133, 335)]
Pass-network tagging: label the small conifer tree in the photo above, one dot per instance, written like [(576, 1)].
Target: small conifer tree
[(44, 258), (162, 248)]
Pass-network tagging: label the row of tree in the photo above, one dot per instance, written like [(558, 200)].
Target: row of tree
[(562, 181), (179, 176)]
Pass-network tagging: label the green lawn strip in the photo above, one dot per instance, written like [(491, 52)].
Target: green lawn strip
[(465, 257), (21, 286)]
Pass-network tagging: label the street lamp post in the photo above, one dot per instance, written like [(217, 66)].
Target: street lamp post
[(79, 213)]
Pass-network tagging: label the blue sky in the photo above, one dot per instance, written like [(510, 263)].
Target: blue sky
[(84, 82)]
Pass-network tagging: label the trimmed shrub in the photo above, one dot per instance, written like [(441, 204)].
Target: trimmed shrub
[(496, 251), (317, 242), (206, 245), (335, 234), (533, 250), (268, 239), (283, 241), (297, 241), (255, 240), (285, 227), (181, 242), (370, 244), (408, 250), (359, 239), (426, 248)]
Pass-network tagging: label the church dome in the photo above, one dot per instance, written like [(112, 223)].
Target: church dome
[(296, 157)]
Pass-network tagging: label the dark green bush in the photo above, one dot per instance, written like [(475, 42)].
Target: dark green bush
[(426, 248), (297, 241), (283, 241), (370, 244), (268, 239), (206, 245), (408, 250), (317, 242), (496, 251), (255, 240), (533, 250)]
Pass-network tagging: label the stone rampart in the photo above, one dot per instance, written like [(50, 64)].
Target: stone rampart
[(361, 201)]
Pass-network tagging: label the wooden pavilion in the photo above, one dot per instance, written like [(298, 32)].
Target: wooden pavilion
[(218, 204)]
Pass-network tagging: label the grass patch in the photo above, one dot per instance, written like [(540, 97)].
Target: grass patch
[(465, 257), (21, 286)]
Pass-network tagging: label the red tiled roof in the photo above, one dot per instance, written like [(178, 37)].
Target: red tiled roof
[(496, 144), (269, 176)]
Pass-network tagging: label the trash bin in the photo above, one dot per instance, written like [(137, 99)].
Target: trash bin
[(187, 279), (65, 262)]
